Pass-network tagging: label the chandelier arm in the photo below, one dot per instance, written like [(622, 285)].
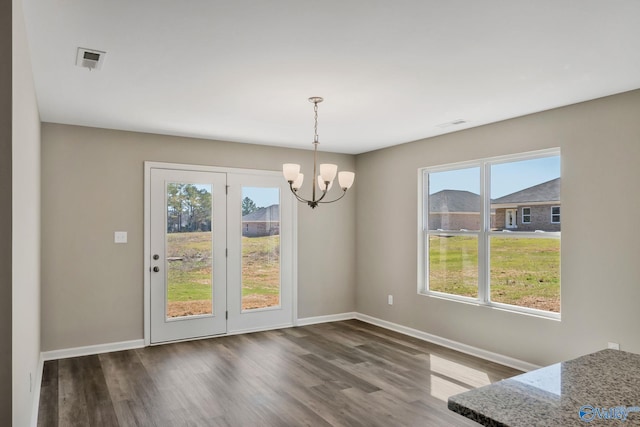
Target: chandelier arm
[(303, 200), (300, 199), (324, 193), (295, 193), (344, 192)]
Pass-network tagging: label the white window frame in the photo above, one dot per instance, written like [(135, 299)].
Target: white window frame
[(523, 215), (559, 215), (483, 235)]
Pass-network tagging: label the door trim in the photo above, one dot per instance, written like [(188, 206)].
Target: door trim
[(148, 165)]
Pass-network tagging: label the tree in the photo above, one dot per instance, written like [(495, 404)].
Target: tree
[(188, 208), (248, 206)]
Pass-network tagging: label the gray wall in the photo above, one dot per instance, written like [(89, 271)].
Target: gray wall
[(600, 143), (5, 214), (92, 185), (26, 226)]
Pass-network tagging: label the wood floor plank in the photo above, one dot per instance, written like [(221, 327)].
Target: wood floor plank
[(83, 393), (49, 395), (336, 374)]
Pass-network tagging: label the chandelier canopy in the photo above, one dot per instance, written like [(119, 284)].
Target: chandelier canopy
[(327, 174)]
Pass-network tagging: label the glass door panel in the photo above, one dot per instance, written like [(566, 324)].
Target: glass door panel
[(189, 250), (260, 248)]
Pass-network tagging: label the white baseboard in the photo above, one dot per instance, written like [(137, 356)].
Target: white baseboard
[(35, 405), (253, 330), (454, 345), (326, 319), (91, 349)]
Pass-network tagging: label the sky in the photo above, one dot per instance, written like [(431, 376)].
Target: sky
[(262, 197), (506, 178)]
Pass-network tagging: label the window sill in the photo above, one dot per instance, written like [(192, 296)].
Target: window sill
[(547, 315)]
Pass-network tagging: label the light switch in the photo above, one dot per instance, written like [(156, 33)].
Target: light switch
[(120, 237)]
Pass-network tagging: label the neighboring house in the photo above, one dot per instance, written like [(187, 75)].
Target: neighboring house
[(531, 209), (263, 222), (454, 210)]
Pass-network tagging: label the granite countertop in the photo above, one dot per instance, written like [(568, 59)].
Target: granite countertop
[(601, 388)]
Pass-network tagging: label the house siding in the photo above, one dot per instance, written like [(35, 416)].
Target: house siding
[(263, 222), (260, 228), (454, 221), (540, 218)]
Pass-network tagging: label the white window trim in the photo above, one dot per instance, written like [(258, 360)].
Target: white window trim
[(523, 215), (484, 235), (559, 215)]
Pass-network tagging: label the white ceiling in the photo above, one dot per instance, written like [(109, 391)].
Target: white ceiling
[(390, 71)]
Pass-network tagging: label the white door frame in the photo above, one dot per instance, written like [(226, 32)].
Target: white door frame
[(148, 165)]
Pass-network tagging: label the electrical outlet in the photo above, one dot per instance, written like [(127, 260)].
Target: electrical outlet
[(613, 346), (390, 299)]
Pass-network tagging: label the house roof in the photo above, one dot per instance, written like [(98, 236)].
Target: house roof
[(466, 201), (454, 201), (271, 213), (546, 192)]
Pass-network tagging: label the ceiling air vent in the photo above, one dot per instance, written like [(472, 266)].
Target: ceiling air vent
[(89, 58)]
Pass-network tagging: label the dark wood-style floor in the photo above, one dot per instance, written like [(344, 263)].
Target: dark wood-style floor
[(334, 374)]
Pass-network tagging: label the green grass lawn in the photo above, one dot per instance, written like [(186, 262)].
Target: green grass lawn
[(190, 270), (523, 271), (261, 265)]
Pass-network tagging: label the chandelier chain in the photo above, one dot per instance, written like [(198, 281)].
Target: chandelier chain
[(315, 128)]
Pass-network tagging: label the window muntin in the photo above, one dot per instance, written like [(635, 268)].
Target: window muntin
[(517, 268), (555, 214)]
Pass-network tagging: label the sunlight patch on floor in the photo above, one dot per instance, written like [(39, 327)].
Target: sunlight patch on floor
[(451, 378)]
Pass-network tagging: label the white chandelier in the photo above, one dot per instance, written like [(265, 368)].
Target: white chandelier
[(328, 171)]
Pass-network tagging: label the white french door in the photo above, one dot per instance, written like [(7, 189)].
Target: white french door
[(188, 261), (219, 252), (260, 265)]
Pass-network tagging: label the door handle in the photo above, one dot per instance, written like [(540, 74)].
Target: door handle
[(156, 269)]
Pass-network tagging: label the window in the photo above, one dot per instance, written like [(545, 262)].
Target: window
[(471, 248)]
